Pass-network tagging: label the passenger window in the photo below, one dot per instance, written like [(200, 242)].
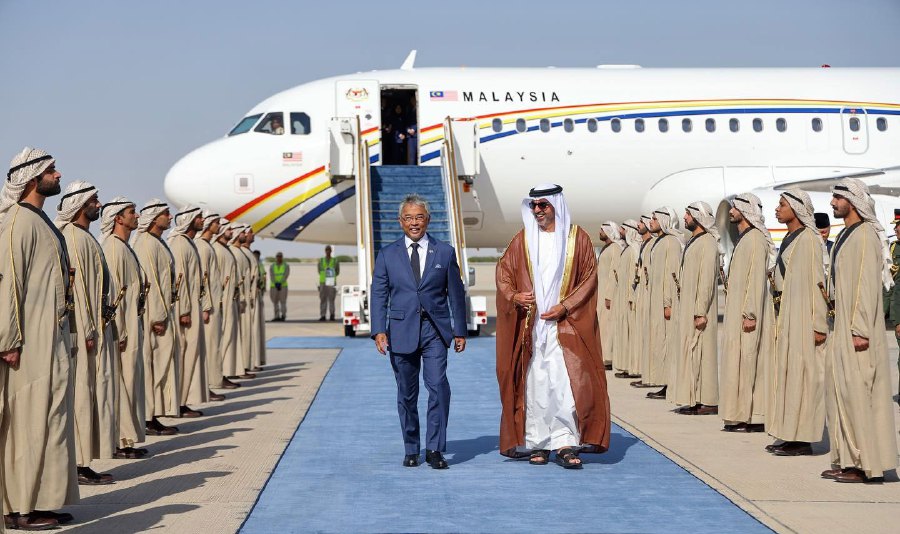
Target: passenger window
[(757, 125), (497, 125), (780, 124), (245, 125), (663, 125), (520, 125), (686, 125), (272, 123), (639, 125), (300, 124), (592, 125), (881, 124), (817, 124), (854, 124), (734, 125), (545, 125), (569, 125), (616, 125), (710, 125)]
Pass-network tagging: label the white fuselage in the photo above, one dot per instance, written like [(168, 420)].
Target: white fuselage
[(615, 139)]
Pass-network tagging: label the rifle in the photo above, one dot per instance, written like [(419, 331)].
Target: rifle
[(142, 299), (646, 277), (828, 302), (677, 286), (109, 312), (724, 279), (776, 295), (175, 290)]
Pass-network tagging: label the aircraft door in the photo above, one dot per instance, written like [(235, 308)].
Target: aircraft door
[(855, 130), (361, 98)]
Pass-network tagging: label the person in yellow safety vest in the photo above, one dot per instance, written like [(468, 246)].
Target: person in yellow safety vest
[(278, 290), (329, 269)]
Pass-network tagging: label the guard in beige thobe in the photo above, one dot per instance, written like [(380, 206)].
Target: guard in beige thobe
[(229, 305), (749, 323), (95, 385), (623, 305), (118, 220), (859, 408), (665, 255), (640, 342), (607, 286), (36, 436), (212, 283), (245, 272)]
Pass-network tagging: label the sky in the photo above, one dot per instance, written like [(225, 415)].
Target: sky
[(119, 90)]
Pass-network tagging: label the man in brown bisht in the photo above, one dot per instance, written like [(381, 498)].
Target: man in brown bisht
[(245, 276), (36, 437), (192, 307), (696, 386), (749, 337), (795, 405), (623, 305), (127, 282), (228, 306), (857, 376), (161, 359), (212, 331), (665, 255), (608, 254), (94, 385), (549, 367), (640, 341)]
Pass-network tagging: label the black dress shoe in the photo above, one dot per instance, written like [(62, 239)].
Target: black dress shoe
[(29, 522), (61, 517), (435, 459), (411, 460)]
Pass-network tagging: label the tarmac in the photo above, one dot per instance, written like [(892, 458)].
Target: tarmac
[(209, 477)]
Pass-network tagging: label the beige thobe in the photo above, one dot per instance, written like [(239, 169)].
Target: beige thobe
[(744, 354), (125, 272), (623, 307), (161, 360), (665, 253), (94, 373), (858, 401), (261, 314), (245, 336), (640, 340), (697, 367), (193, 300), (605, 261), (37, 435), (252, 357), (228, 308), (212, 332)]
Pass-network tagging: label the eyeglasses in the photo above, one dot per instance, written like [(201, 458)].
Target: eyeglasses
[(539, 205), (411, 218)]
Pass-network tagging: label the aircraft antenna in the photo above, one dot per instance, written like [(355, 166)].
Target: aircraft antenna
[(410, 61)]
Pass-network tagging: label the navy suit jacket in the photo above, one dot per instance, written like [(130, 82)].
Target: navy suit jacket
[(397, 305)]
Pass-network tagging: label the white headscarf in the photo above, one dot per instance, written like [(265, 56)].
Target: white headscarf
[(224, 225), (857, 192), (108, 215), (632, 237), (611, 229), (239, 228), (546, 297), (24, 167), (703, 214), (75, 196), (151, 210), (668, 223), (802, 205), (183, 220), (751, 208), (208, 218)]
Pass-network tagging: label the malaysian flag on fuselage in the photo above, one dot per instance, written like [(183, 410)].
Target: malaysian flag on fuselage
[(448, 96)]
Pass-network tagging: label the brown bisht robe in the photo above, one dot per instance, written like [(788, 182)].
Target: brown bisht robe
[(37, 435), (858, 402), (579, 337)]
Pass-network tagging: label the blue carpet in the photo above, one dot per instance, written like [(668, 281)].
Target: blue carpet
[(341, 471)]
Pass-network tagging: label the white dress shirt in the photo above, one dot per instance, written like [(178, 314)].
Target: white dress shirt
[(423, 249)]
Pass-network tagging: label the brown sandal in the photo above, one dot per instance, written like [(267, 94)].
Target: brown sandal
[(539, 457)]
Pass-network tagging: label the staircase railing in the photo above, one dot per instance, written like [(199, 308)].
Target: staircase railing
[(451, 180), (364, 235)]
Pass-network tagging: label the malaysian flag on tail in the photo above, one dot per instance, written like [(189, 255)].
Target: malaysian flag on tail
[(447, 96), (292, 157)]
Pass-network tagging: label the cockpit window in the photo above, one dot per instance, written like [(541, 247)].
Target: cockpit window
[(272, 123), (245, 125), (300, 123)]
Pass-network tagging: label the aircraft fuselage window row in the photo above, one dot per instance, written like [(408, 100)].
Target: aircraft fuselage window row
[(734, 125), (273, 124)]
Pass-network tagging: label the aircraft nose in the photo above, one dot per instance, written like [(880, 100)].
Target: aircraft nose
[(187, 181)]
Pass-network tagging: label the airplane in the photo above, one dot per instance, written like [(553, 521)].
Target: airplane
[(622, 140)]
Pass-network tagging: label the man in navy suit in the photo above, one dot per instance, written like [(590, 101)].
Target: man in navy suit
[(416, 291)]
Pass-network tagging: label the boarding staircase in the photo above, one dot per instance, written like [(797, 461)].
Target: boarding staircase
[(379, 191)]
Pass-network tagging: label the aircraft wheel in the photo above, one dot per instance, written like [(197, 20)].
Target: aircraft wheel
[(475, 333), (349, 331)]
